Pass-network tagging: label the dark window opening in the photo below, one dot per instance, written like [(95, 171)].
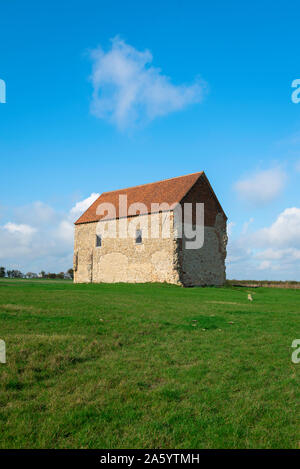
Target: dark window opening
[(98, 241), (138, 237)]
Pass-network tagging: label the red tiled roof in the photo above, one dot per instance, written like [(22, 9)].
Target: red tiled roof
[(169, 191)]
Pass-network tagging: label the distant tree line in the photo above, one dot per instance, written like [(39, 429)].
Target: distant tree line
[(264, 283), (18, 274)]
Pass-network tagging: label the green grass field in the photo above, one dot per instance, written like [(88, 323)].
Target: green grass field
[(147, 366)]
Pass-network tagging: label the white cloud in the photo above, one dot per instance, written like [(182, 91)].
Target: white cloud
[(128, 90), (37, 212), (264, 265), (65, 231), (83, 205), (284, 232), (272, 252), (44, 239), (261, 187), (230, 226), (246, 225), (20, 229), (279, 254)]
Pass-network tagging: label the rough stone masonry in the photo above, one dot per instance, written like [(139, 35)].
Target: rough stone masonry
[(148, 258)]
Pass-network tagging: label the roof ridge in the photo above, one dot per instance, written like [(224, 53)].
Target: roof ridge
[(155, 182), (172, 193)]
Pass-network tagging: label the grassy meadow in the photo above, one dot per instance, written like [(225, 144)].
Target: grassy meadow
[(148, 366)]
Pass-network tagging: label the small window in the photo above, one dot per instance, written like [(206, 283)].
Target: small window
[(138, 237), (98, 241)]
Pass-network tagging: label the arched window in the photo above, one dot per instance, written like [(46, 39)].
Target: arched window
[(138, 237), (98, 241)]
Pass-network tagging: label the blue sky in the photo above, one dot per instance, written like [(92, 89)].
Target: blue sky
[(225, 107)]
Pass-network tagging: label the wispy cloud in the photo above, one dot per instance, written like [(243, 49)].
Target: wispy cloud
[(39, 237), (128, 90), (230, 227), (22, 229), (261, 187), (83, 205), (246, 225), (269, 252), (283, 233)]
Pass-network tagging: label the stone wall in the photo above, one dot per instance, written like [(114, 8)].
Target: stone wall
[(157, 259), (205, 266), (122, 260)]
